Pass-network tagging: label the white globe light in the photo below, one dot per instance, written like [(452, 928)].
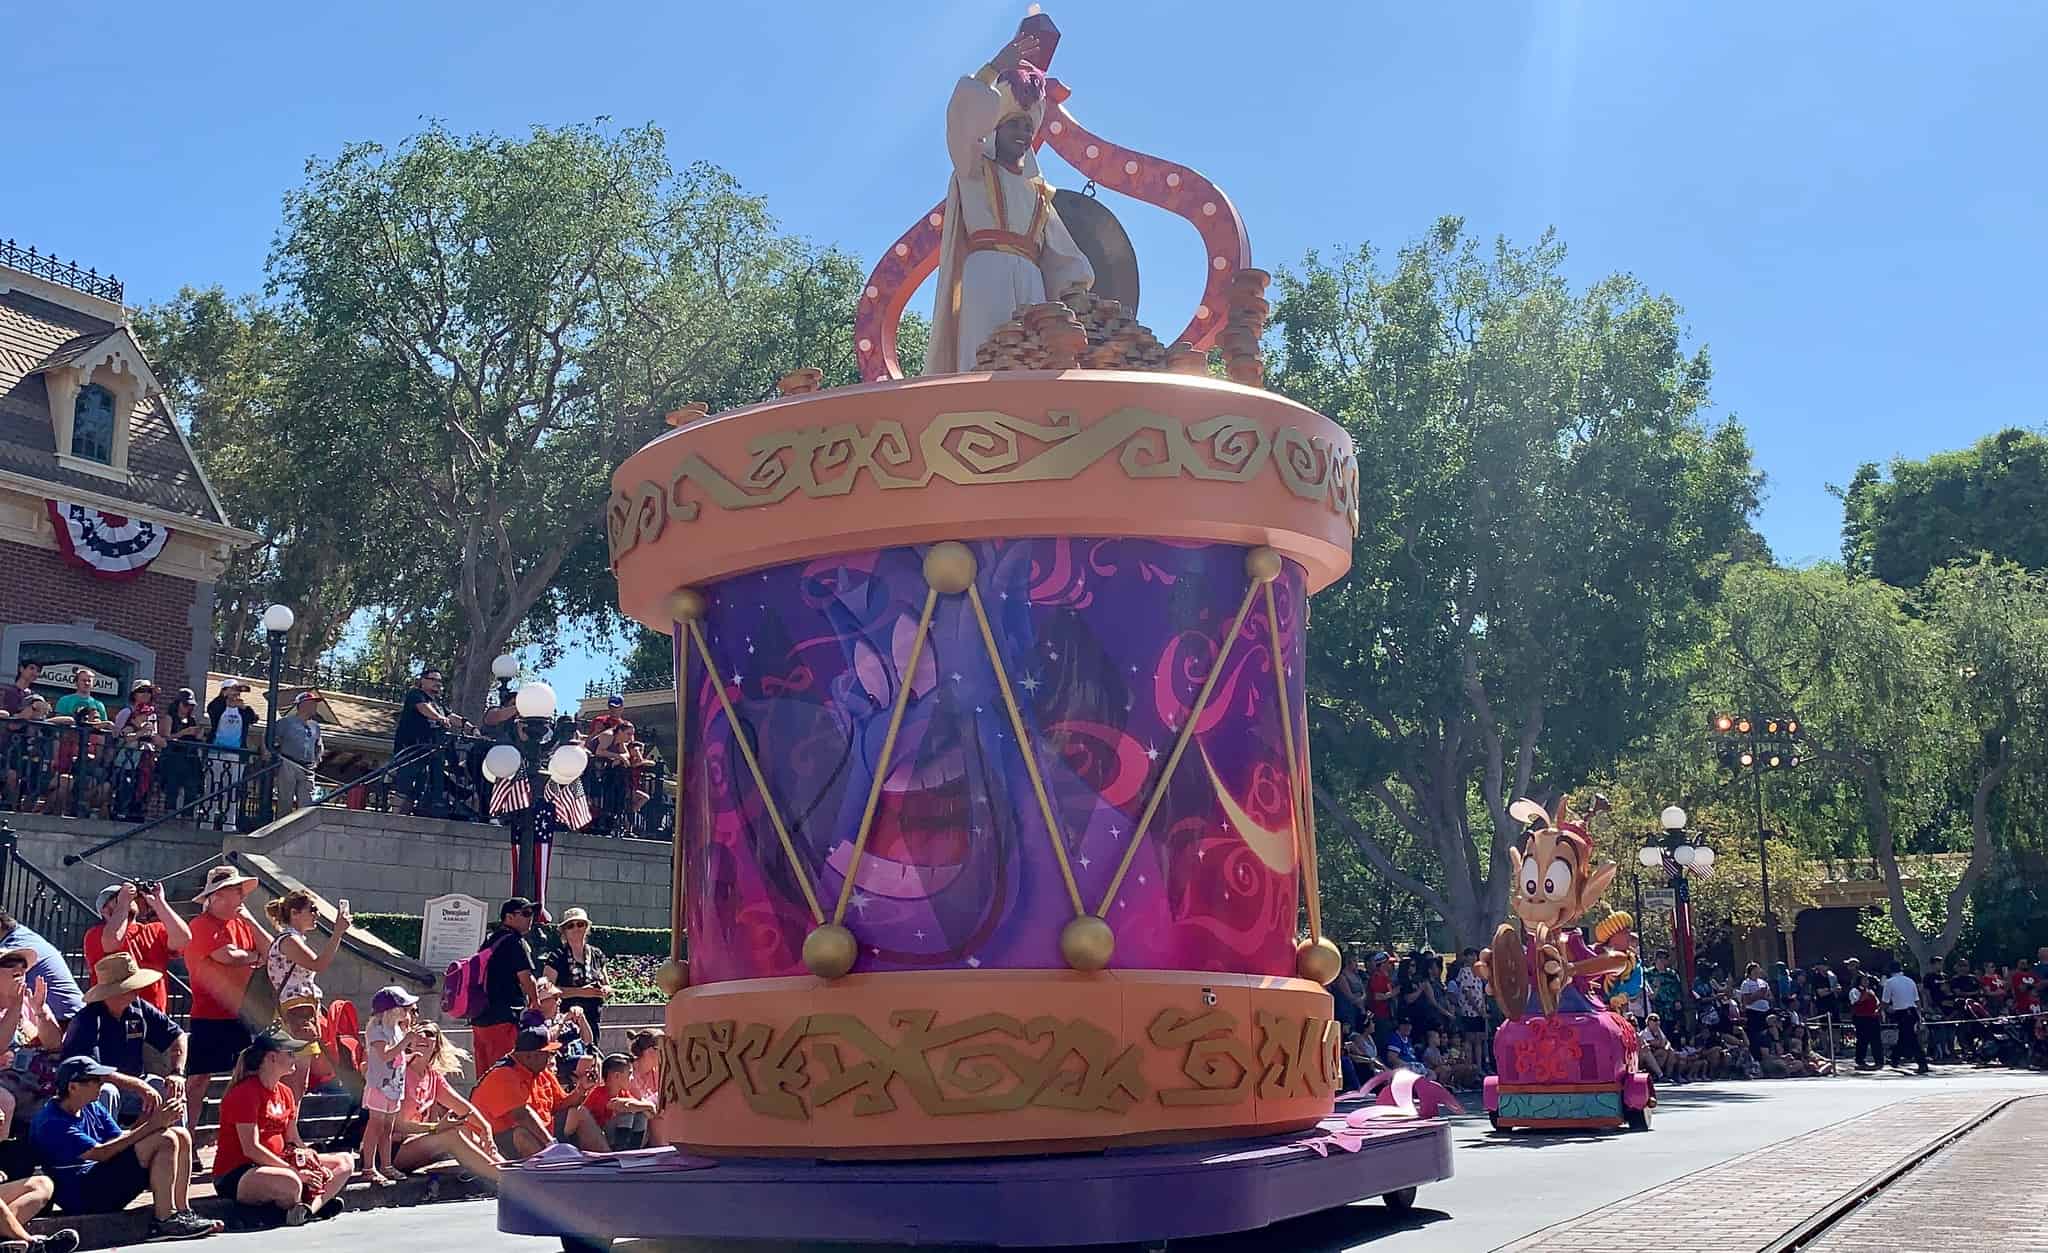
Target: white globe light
[(278, 619), (1674, 818), (1651, 855), (504, 666), (535, 700), (1703, 858), (568, 763), (502, 762), (1685, 854)]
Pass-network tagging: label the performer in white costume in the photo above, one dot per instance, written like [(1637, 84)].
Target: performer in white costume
[(1003, 246)]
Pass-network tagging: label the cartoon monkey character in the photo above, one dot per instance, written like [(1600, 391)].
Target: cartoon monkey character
[(1555, 882)]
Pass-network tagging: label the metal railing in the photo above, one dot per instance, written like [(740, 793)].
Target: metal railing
[(42, 904), (62, 273), (315, 677), (94, 772)]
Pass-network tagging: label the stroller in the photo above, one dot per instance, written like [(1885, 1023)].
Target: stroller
[(2002, 1042)]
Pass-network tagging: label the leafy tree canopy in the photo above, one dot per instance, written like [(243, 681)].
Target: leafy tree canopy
[(1545, 507), (1902, 525)]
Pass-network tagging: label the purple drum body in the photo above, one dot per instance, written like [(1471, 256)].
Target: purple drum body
[(1106, 644)]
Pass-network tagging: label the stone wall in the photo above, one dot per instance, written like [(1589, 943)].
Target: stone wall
[(382, 863), (385, 863)]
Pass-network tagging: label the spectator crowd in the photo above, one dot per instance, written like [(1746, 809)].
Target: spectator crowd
[(1437, 1019), (102, 1087), (156, 754)]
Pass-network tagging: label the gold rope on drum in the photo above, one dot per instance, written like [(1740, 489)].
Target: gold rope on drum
[(1024, 745), (1294, 771), (867, 816), (1187, 733), (686, 605), (739, 734)]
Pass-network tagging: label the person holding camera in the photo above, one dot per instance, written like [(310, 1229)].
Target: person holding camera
[(152, 944)]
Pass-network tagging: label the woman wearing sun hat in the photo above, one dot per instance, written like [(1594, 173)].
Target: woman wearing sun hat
[(579, 969)]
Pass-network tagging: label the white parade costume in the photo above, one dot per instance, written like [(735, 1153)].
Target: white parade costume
[(1003, 246)]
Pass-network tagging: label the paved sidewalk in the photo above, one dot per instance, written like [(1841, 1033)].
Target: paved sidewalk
[(1749, 1201), (1998, 1167)]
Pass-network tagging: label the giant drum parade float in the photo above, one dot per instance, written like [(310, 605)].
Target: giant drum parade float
[(993, 842)]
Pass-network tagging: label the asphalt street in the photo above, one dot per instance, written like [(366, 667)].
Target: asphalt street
[(1501, 1193)]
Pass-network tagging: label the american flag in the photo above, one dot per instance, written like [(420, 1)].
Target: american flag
[(510, 794), (572, 810)]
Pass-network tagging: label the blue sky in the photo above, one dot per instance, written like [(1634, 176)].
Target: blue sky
[(1846, 199)]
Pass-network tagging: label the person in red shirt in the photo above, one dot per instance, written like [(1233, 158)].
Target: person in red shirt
[(152, 944), (261, 1160), (527, 1106), (620, 1115), (2026, 989), (1380, 998), (225, 948)]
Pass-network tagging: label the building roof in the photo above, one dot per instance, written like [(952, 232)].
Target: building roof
[(36, 334), (359, 722)]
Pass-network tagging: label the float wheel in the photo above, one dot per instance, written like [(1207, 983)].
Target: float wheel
[(1637, 1119), (1401, 1200)]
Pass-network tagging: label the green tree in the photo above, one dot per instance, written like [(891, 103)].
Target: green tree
[(279, 451), (1925, 704), (464, 335), (1990, 497), (1545, 510)]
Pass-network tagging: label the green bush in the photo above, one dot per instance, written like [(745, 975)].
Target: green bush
[(402, 932)]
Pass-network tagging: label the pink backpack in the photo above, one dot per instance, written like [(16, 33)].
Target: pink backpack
[(463, 993)]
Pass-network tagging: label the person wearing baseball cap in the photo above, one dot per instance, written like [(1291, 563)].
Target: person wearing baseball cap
[(99, 1169), (527, 1106), (510, 976), (261, 1161), (299, 748), (151, 943)]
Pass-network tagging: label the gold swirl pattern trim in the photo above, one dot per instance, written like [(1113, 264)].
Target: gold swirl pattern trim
[(993, 1063), (983, 447)]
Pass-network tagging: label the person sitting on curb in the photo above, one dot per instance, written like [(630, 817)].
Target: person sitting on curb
[(20, 1201), (527, 1106), (99, 1169), (623, 1117), (115, 1025), (434, 1122), (261, 1161)]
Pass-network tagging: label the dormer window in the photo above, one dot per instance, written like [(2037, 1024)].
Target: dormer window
[(92, 425)]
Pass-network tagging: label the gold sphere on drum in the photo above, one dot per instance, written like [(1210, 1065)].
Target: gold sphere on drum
[(686, 604), (673, 976), (1263, 564), (1086, 943), (829, 951), (1318, 960), (949, 568)]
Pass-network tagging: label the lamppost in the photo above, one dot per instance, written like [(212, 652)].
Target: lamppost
[(532, 839), (504, 668), (1681, 856), (277, 623), (1758, 743)]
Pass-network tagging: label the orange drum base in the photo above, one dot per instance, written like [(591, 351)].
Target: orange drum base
[(975, 1063)]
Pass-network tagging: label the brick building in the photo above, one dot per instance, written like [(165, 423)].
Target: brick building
[(110, 536)]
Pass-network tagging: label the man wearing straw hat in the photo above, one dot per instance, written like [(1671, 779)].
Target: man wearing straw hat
[(117, 1022), (225, 948)]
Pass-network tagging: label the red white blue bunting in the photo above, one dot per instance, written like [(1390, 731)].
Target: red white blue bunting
[(109, 545)]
